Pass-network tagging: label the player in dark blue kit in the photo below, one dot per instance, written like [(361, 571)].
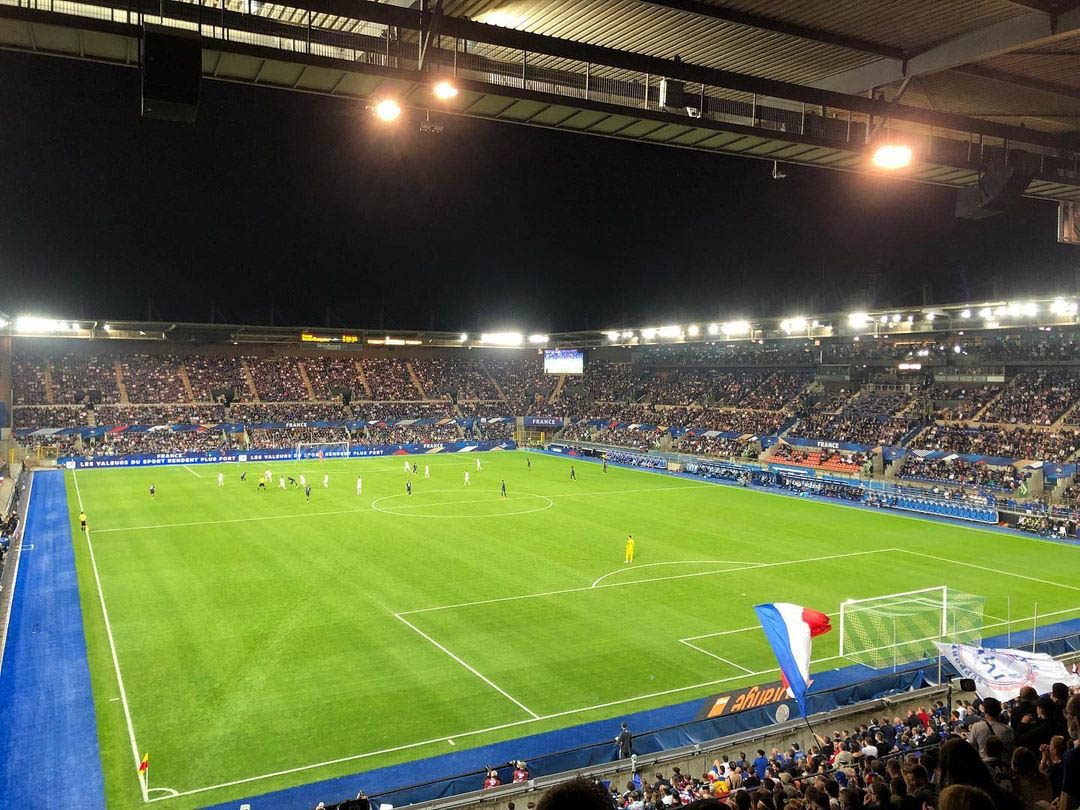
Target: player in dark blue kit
[(292, 480), (262, 486), (573, 475), (243, 477), (307, 492), (408, 487), (504, 488), (605, 463), (528, 463)]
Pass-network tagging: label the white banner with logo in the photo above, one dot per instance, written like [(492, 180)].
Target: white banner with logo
[(1003, 673)]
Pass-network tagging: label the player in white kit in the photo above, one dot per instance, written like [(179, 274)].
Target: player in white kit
[(359, 486), (427, 471), (326, 481), (221, 479), (466, 479)]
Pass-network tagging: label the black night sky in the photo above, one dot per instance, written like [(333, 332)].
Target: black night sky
[(280, 205)]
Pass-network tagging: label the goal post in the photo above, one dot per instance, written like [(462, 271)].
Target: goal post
[(322, 450), (901, 628)]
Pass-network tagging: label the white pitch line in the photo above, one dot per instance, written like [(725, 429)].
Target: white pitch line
[(675, 562), (368, 509), (197, 475), (490, 729), (752, 567), (991, 570), (717, 657), (469, 667), (112, 644)]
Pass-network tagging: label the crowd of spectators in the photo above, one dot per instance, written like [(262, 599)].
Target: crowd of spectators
[(389, 378), (49, 416), (455, 378), (207, 373), (1021, 443), (159, 441), (960, 473), (377, 411), (75, 375), (277, 379), (961, 403), (29, 380), (153, 378), (973, 755), (112, 415), (869, 430), (737, 421), (841, 460), (523, 382), (1037, 397), (328, 373), (715, 446), (410, 434), (625, 437), (255, 412)]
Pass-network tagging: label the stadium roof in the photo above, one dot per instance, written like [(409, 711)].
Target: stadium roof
[(928, 322), (968, 82)]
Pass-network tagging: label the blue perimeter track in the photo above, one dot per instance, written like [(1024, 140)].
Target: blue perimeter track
[(48, 728)]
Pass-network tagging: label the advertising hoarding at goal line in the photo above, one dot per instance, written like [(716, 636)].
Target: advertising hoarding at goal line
[(564, 361)]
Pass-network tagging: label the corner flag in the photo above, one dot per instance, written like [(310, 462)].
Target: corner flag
[(144, 766), (789, 629)]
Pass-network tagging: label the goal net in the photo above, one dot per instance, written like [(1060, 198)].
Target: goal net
[(900, 628), (322, 450)]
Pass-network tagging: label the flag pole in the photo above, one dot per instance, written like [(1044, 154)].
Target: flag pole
[(1034, 626)]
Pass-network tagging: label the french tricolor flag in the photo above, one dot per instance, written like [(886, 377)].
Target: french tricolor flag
[(789, 629)]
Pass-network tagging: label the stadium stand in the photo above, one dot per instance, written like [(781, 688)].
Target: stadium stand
[(277, 379), (389, 379), (1035, 398)]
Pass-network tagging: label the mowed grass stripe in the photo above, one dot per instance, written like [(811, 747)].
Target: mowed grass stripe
[(261, 645)]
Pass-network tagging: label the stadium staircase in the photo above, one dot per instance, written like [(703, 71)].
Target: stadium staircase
[(50, 391), (118, 370), (911, 434), (363, 378), (307, 383), (986, 407), (415, 379), (253, 392), (557, 393), (494, 382), (1072, 410), (186, 381)]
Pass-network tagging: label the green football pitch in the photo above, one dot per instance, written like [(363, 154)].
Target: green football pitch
[(255, 640)]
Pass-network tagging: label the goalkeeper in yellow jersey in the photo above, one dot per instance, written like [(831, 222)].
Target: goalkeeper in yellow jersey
[(629, 549)]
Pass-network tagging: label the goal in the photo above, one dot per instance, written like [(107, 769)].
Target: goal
[(901, 628), (322, 450)]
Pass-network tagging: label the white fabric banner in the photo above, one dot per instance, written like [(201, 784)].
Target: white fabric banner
[(1003, 673)]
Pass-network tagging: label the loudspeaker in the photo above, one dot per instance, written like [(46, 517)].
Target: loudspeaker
[(998, 189), (967, 684), (171, 72)]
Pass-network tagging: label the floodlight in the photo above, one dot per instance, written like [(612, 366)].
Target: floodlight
[(985, 312), (502, 338), (669, 331), (966, 313), (858, 320), (463, 336), (387, 110), (896, 318), (930, 317), (648, 334), (692, 330), (444, 90), (892, 156), (735, 328), (713, 329), (538, 338), (1062, 307), (629, 333)]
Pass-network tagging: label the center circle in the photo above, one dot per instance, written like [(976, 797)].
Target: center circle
[(412, 505)]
